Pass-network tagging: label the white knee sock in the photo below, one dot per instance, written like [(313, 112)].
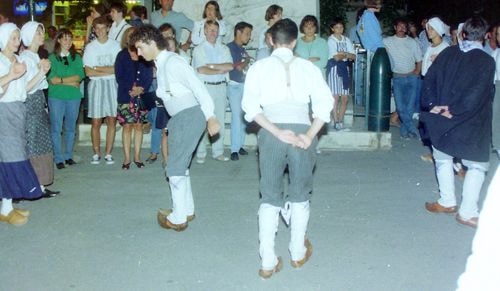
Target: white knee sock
[(6, 206), (268, 226), (298, 224), (189, 196), (178, 188)]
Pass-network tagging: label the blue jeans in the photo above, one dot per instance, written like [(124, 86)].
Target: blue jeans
[(63, 112), (155, 132), (405, 92), (418, 93), (235, 93)]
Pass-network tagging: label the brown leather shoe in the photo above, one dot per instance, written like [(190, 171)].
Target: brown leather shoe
[(435, 207), (22, 212), (165, 223), (309, 250), (167, 212), (472, 222), (14, 218), (266, 274)]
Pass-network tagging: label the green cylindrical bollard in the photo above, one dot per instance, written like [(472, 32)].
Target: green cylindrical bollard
[(380, 92)]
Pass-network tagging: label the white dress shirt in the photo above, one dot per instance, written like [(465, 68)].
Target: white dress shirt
[(179, 87), (266, 90)]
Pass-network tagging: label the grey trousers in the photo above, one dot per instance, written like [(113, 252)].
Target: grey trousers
[(184, 132), (274, 157)]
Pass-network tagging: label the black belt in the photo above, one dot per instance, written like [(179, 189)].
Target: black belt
[(216, 83)]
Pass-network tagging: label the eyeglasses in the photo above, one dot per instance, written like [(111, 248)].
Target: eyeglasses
[(65, 60)]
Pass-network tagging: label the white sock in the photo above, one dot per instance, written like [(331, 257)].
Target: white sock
[(43, 188), (6, 206)]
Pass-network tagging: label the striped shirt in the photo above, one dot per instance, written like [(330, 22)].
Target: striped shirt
[(403, 53)]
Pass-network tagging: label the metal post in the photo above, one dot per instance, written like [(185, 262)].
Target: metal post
[(31, 9)]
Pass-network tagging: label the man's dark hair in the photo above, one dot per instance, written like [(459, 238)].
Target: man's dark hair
[(285, 31), (475, 29), (240, 26), (400, 20), (119, 7), (166, 26), (147, 33), (308, 19), (140, 11)]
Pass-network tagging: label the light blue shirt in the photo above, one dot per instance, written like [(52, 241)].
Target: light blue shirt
[(177, 19), (369, 31)]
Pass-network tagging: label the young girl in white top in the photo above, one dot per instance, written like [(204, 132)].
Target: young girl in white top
[(341, 51)]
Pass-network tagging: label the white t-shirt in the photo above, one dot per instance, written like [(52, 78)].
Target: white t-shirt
[(101, 54), (339, 45), (116, 30), (32, 60), (16, 90), (430, 54)]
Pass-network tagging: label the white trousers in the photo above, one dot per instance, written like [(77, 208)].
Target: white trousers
[(473, 182)]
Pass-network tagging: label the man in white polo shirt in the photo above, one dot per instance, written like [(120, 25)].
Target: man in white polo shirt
[(213, 61)]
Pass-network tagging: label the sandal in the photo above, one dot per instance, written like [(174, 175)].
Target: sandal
[(152, 158), (125, 166), (139, 165)]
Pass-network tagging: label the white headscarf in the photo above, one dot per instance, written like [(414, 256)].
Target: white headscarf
[(28, 31), (6, 30), (439, 26)]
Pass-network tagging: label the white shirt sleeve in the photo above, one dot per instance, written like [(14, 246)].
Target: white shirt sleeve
[(198, 33)]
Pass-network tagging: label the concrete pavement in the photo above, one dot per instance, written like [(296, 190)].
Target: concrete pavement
[(368, 227)]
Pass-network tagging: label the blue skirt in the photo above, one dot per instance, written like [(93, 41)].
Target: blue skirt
[(17, 177)]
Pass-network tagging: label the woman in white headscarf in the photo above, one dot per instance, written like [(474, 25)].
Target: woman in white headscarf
[(436, 30), (39, 142), (17, 177)]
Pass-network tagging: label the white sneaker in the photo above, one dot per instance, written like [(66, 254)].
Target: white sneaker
[(339, 126), (96, 159), (109, 159), (200, 160)]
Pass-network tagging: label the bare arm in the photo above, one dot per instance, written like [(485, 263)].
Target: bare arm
[(418, 68), (99, 71), (16, 71), (215, 69), (44, 67), (284, 135)]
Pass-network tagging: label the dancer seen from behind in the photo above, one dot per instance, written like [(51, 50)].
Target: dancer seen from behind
[(287, 139), (458, 98)]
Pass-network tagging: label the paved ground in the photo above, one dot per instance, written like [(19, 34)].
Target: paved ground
[(368, 227)]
